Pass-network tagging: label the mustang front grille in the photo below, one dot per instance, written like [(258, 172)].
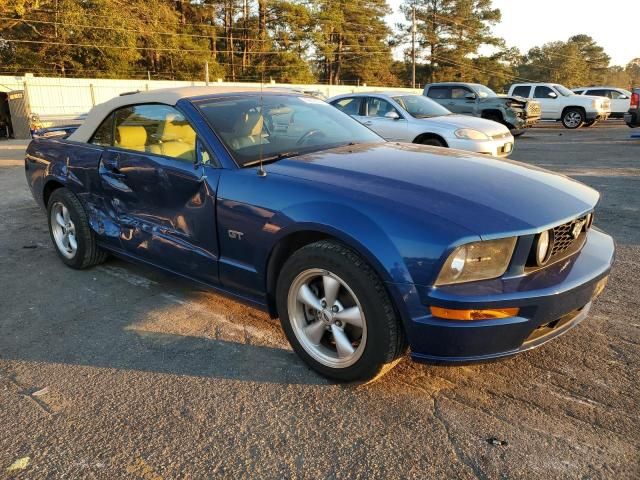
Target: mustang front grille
[(566, 239)]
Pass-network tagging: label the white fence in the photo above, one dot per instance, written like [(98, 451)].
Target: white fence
[(72, 97)]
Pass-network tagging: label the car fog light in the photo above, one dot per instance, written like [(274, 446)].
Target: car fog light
[(543, 248)]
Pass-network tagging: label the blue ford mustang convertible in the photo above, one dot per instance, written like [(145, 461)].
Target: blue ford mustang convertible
[(363, 248)]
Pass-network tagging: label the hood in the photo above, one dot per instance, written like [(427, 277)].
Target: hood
[(488, 196), (503, 99), (488, 127)]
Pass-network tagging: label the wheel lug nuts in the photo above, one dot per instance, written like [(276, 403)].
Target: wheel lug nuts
[(323, 303), (334, 309), (338, 323)]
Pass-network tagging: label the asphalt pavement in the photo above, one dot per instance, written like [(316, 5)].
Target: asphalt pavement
[(124, 372)]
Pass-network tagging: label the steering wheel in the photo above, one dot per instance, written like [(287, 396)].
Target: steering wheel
[(310, 133)]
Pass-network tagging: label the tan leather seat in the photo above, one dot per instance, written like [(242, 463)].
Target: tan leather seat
[(178, 139), (247, 131), (132, 137)]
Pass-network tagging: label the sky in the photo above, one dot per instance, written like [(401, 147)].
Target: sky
[(614, 24)]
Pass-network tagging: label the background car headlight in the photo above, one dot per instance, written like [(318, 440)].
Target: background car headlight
[(470, 134), (477, 261)]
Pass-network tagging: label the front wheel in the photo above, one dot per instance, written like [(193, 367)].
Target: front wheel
[(432, 141), (573, 118), (337, 314)]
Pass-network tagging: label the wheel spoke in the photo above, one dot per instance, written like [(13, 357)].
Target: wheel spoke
[(350, 315), (315, 331), (71, 238), (331, 288), (343, 345), (306, 296), (65, 242), (65, 214), (60, 220)]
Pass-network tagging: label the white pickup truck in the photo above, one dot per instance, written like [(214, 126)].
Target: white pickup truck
[(561, 104)]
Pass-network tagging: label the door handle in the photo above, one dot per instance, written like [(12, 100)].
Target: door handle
[(111, 168), (114, 172), (368, 123)]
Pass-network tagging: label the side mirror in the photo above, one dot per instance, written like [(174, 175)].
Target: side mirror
[(552, 95), (392, 114), (470, 96)]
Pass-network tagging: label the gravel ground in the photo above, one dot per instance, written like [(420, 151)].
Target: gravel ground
[(124, 372)]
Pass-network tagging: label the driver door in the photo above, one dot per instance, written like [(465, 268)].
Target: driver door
[(460, 100), (384, 119), (163, 193)]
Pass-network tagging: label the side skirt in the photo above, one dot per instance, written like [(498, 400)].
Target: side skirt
[(252, 302)]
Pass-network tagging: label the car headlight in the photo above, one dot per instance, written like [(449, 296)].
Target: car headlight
[(470, 134), (477, 261)]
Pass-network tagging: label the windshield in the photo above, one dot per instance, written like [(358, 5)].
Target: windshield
[(276, 126), (485, 92), (421, 107), (564, 91)]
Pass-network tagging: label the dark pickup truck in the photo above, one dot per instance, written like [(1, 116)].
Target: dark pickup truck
[(632, 117)]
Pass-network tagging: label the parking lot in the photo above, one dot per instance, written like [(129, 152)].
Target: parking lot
[(121, 371)]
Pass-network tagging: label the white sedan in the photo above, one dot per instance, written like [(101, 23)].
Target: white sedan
[(404, 117)]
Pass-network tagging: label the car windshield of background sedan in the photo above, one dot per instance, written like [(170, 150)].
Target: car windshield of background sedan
[(419, 106), (272, 127)]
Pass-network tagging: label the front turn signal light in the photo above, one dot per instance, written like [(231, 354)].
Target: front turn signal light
[(473, 314)]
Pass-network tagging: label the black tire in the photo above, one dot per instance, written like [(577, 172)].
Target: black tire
[(432, 141), (87, 253), (385, 343), (573, 118), (590, 123)]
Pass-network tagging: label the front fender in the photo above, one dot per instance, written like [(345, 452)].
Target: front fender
[(351, 227)]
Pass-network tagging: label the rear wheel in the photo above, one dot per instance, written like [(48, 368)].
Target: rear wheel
[(573, 118), (336, 313), (70, 231)]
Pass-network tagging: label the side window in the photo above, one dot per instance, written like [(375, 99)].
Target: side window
[(542, 91), (350, 105), (103, 135), (459, 92), (377, 107), (155, 129), (439, 92), (578, 92), (522, 91), (599, 93), (614, 94)]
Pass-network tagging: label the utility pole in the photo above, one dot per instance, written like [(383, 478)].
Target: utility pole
[(413, 46), (206, 73)]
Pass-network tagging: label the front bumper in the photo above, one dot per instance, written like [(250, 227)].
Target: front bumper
[(498, 148), (551, 301), (525, 121), (600, 115)]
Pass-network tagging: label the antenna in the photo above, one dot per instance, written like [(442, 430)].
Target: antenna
[(261, 170)]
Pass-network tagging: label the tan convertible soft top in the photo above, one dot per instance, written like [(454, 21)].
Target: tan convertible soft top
[(167, 96)]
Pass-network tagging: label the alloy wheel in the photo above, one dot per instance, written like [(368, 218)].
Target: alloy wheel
[(327, 318), (64, 230)]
